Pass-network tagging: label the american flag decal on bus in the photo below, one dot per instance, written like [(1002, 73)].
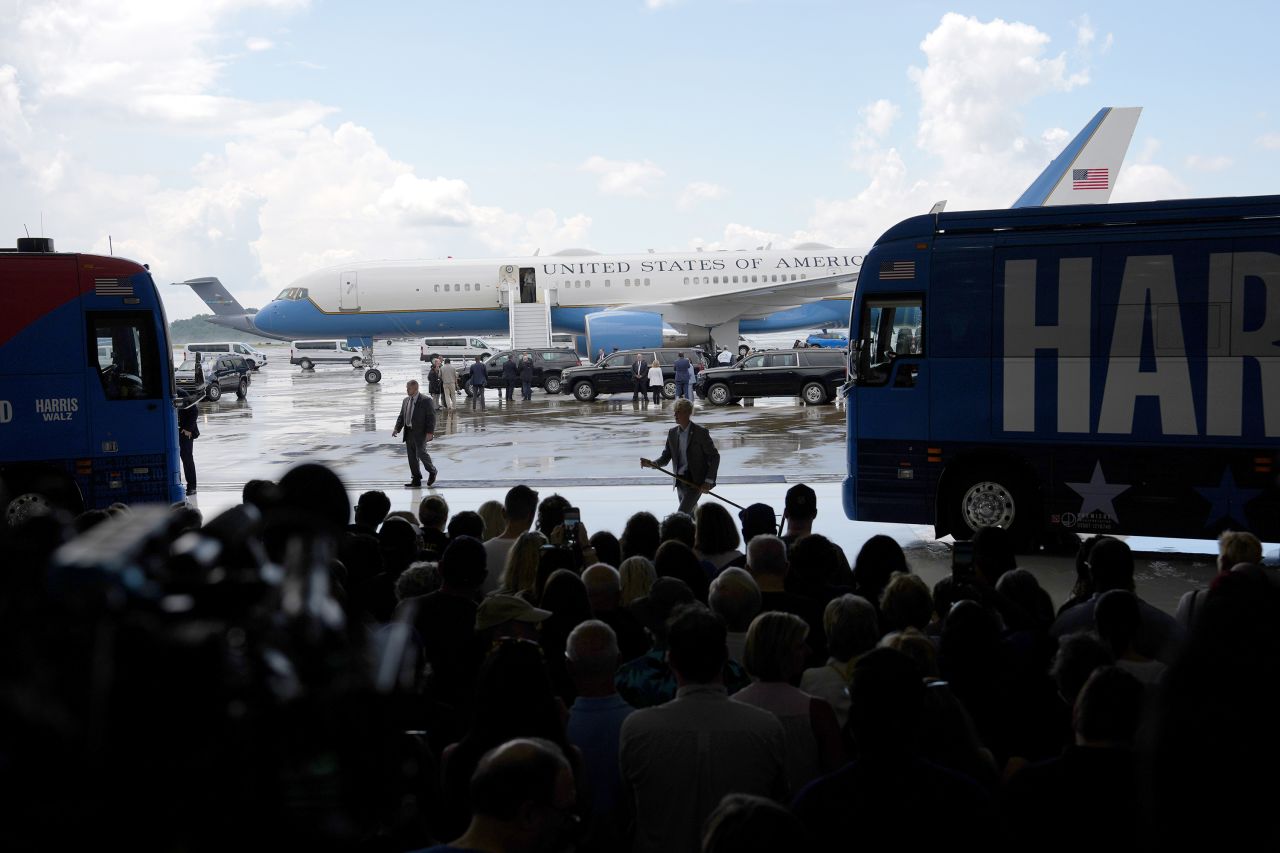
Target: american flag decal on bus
[(897, 270), (1089, 179), (113, 287)]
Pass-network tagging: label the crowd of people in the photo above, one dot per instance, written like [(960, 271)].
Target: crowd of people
[(293, 674)]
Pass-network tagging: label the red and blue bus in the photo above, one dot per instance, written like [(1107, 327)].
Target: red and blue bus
[(1101, 368), (86, 382)]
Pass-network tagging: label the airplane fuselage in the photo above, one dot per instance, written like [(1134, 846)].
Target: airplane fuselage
[(396, 298)]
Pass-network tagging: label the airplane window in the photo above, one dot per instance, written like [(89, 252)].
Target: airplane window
[(715, 280), (686, 281), (735, 279), (646, 282), (627, 283), (606, 282), (804, 275), (775, 278), (588, 283), (437, 288)]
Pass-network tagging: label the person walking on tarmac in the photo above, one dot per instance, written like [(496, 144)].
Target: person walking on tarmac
[(418, 420), (526, 377), (434, 386), (656, 381), (693, 457), (639, 379), (449, 385), (188, 432), (479, 376), (510, 375)]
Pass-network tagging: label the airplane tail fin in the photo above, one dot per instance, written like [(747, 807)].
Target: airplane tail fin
[(215, 296), (1086, 170)]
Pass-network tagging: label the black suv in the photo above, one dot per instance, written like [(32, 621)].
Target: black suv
[(814, 375), (227, 372), (613, 374), (547, 366)]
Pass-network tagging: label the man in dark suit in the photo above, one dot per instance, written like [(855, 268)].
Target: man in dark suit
[(693, 456), (418, 420), (188, 432), (639, 378)]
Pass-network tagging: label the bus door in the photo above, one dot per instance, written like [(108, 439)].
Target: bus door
[(129, 366), (891, 389)]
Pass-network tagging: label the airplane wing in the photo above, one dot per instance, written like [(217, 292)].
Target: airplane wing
[(750, 302)]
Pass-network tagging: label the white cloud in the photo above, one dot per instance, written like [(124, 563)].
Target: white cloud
[(257, 44), (1208, 164), (623, 177), (1085, 33), (698, 192), (659, 4), (738, 236), (1269, 141), (879, 116), (1147, 182), (282, 195)]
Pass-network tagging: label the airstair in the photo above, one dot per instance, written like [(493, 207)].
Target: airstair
[(530, 325)]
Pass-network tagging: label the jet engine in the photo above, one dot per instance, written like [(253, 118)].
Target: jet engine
[(623, 330)]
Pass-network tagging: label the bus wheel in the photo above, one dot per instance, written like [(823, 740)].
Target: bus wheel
[(306, 364), (242, 390), (995, 498), (373, 376), (37, 492), (214, 391), (814, 394), (718, 394)]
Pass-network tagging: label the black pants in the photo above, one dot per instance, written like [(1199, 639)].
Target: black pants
[(657, 392), (511, 388), (185, 446), (639, 387), (417, 449)]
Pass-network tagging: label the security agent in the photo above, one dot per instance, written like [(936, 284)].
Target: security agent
[(188, 406), (693, 456), (418, 420)]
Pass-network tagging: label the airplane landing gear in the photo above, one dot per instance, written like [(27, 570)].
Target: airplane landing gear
[(370, 363)]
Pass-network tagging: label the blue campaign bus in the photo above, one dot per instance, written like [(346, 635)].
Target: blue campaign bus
[(86, 382), (1090, 369)]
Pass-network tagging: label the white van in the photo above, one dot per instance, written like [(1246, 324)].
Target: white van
[(252, 354), (307, 354), (454, 347)]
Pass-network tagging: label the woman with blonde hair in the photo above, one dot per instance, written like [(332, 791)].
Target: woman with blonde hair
[(656, 380), (494, 517), (774, 657), (637, 574), (520, 574)]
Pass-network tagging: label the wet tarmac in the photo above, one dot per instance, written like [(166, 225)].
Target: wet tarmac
[(588, 452)]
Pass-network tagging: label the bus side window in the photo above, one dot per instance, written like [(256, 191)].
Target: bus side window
[(134, 370)]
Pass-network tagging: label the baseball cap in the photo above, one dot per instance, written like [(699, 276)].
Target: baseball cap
[(802, 502), (496, 609), (759, 518)]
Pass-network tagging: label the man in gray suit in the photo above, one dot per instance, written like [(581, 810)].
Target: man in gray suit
[(418, 420), (693, 456)]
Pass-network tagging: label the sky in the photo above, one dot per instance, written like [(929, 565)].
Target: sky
[(258, 140)]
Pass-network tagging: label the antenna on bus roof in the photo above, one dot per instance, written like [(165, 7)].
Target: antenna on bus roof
[(25, 228), (110, 246)]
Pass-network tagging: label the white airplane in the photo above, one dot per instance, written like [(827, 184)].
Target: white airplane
[(622, 301)]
